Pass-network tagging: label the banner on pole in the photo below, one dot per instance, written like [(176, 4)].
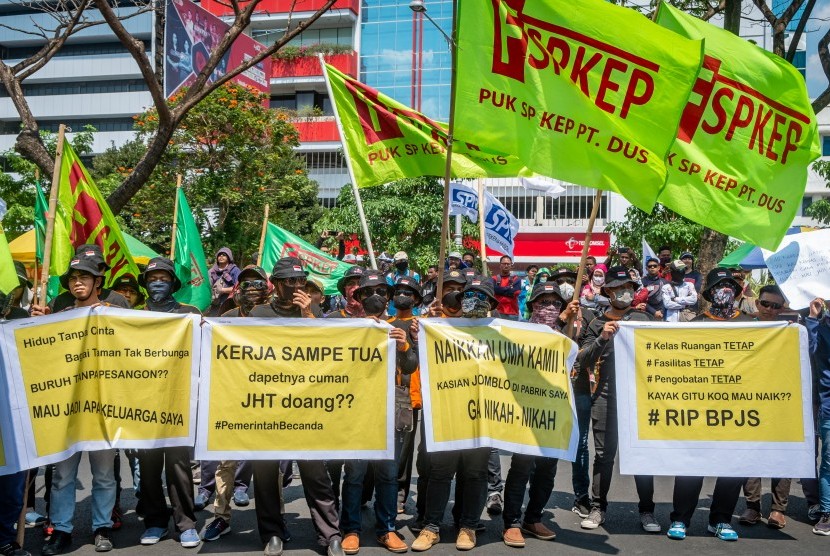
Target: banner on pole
[(589, 95), (501, 227), (296, 389), (497, 383), (747, 137), (189, 259), (696, 398), (92, 379), (800, 265)]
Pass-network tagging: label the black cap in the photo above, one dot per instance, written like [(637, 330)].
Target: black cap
[(482, 284), (93, 250), (717, 276), (562, 272), (20, 269), (543, 288), (352, 272), (618, 276), (288, 267), (160, 263), (88, 264), (410, 284), (252, 272), (371, 279), (455, 277), (128, 280)]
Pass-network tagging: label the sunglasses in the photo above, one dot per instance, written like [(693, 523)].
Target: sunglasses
[(296, 281), (652, 266), (549, 303), (473, 294), (253, 285), (405, 293), (377, 290), (770, 305)]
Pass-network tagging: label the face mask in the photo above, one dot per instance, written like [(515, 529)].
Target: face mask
[(548, 314), (374, 305), (403, 302), (451, 300), (474, 308), (723, 297), (665, 260), (246, 300), (599, 280), (543, 279), (286, 293), (566, 290), (159, 291), (402, 266), (622, 299)]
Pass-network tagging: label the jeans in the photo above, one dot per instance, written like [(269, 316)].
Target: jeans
[(495, 484), (540, 472), (580, 468), (103, 490), (824, 467), (386, 495), (11, 502)]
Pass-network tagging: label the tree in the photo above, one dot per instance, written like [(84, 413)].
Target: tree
[(662, 227), (73, 16), (820, 210), (235, 154)]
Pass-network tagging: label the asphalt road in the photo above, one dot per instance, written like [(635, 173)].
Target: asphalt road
[(620, 534)]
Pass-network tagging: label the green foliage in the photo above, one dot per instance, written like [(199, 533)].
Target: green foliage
[(291, 52), (18, 179), (402, 216), (820, 210), (235, 155), (661, 227)]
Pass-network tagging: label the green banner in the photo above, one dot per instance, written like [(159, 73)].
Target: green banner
[(747, 136), (189, 259), (387, 141), (590, 94), (282, 243)]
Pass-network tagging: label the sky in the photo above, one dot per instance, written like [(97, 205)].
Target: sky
[(816, 28)]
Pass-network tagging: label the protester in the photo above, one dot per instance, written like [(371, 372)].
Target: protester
[(291, 301), (590, 265), (625, 255), (720, 291), (591, 296), (542, 276), (818, 328), (527, 288), (548, 307), (223, 275), (339, 237), (745, 297), (565, 278), (664, 256), (650, 297), (93, 253), (507, 288), (83, 280), (315, 290), (678, 295), (401, 262), (454, 261), (429, 288), (597, 353), (127, 285), (468, 259)]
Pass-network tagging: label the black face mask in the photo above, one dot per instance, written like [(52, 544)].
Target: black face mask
[(374, 305), (285, 293), (402, 266), (451, 300), (665, 260), (159, 291), (403, 302)]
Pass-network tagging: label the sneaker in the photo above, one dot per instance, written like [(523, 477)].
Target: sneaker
[(34, 518), (595, 518), (190, 539), (200, 501), (823, 525), (392, 542), (241, 498), (57, 543), (814, 513), (466, 539), (102, 540), (723, 531), (648, 522), (116, 518), (153, 535), (539, 531), (426, 540), (677, 531), (13, 549), (495, 503), (582, 507), (216, 529), (513, 537)]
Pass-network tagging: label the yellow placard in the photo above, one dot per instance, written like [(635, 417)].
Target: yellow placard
[(509, 385), (106, 378), (300, 389), (701, 384)]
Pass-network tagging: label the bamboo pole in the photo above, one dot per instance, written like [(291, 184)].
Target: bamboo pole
[(175, 219), (571, 326), (262, 235), (50, 217)]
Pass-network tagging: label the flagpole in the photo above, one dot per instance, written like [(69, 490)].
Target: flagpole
[(175, 218), (355, 189), (262, 235), (481, 228), (571, 330), (50, 217)]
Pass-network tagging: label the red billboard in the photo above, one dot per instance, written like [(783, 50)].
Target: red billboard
[(190, 35), (550, 246)]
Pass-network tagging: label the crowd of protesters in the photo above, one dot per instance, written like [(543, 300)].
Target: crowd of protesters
[(619, 289)]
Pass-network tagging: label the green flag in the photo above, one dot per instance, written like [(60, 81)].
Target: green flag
[(189, 259), (747, 136), (41, 209), (282, 243), (8, 275), (589, 93), (387, 141)]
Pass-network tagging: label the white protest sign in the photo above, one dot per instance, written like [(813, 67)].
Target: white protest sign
[(800, 265)]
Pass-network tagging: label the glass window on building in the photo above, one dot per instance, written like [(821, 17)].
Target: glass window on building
[(825, 145)]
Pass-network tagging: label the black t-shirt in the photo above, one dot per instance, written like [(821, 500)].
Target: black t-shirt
[(180, 309), (270, 311), (738, 317), (16, 313), (110, 297)]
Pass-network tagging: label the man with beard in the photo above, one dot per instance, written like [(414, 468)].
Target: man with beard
[(721, 291), (160, 281), (291, 301), (373, 293), (597, 352), (232, 478)]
